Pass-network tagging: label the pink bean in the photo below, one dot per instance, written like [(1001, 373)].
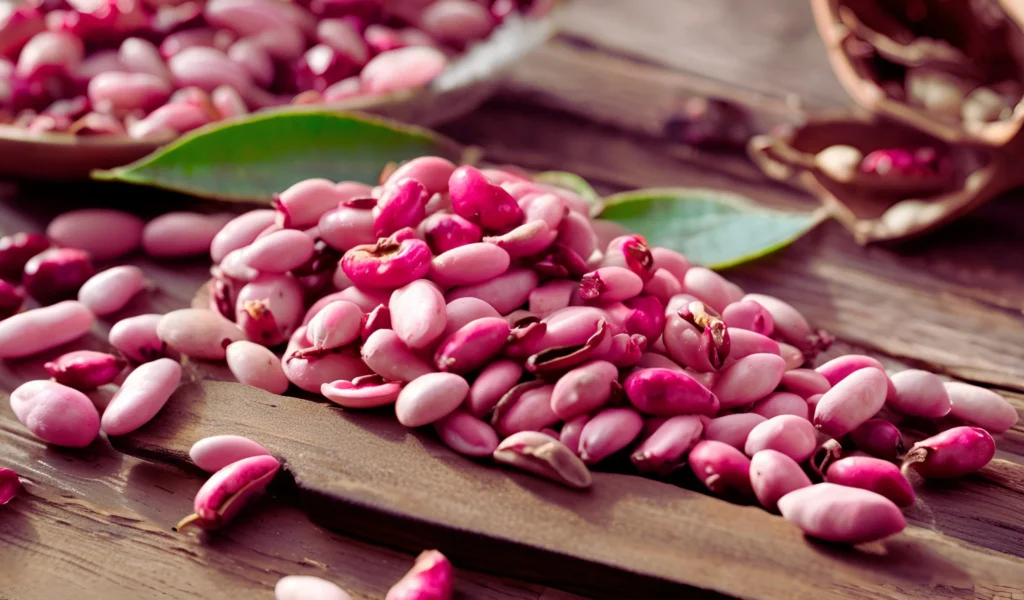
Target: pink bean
[(789, 324), (189, 38), (16, 250), (390, 263), (793, 356), (493, 382), (198, 333), (444, 232), (469, 264), (462, 311), (305, 587), (609, 431), (85, 369), (432, 577), (793, 436), (851, 402), (526, 407), (782, 403), (839, 368), (953, 453), (551, 296), (252, 364), (663, 285), (749, 379), (472, 346), (840, 514), (431, 171), (310, 373), (711, 288), (467, 434), (732, 429), (571, 432), (109, 291), (872, 474), (56, 414), (672, 261), (366, 391), (386, 355), (773, 475), (610, 284), (980, 406), (633, 253), (337, 325), (172, 119), (665, 392), (665, 450), (430, 398), (105, 234), (240, 232), (749, 315), (878, 438), (804, 382), (118, 93), (550, 209), (479, 201), (401, 204), (505, 292), (456, 22), (576, 234), (654, 360), (401, 69), (142, 56), (181, 234), (9, 485), (39, 329), (584, 389), (280, 251), (743, 342), (251, 55), (56, 274), (103, 61), (48, 53), (207, 68), (226, 492), (136, 338), (724, 470), (418, 314), (269, 308), (142, 395)]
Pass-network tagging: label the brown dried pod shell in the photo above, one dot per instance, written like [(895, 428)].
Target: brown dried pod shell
[(872, 209), (954, 70)]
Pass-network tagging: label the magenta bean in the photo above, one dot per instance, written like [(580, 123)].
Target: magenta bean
[(610, 284), (851, 402), (311, 372), (279, 252), (269, 308), (548, 208), (953, 453), (225, 493), (431, 171), (479, 201), (467, 434), (366, 391), (17, 249), (658, 361), (724, 470), (386, 355), (782, 403), (252, 56), (872, 474), (630, 252), (85, 369), (56, 274), (431, 578), (791, 435), (805, 382), (240, 232), (445, 232), (980, 406), (142, 56), (255, 365), (462, 311), (118, 93), (418, 314), (109, 291), (401, 205), (305, 587), (181, 234), (11, 299), (198, 333), (390, 263), (207, 68), (56, 414), (664, 450), (609, 431), (748, 380), (841, 514), (773, 475), (792, 355), (584, 389), (732, 429), (711, 288), (879, 438), (39, 329), (545, 456), (526, 407), (403, 68), (743, 342), (505, 292), (49, 53), (469, 264), (9, 485), (663, 286), (472, 346), (664, 392), (551, 296), (493, 382), (141, 396), (212, 454), (527, 239), (626, 349), (429, 398), (172, 119), (136, 338), (749, 315)]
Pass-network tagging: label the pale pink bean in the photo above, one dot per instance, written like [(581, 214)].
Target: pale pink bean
[(118, 93), (104, 233), (136, 338), (840, 514), (527, 407), (306, 202), (876, 475), (462, 311), (142, 56), (418, 314), (749, 379), (505, 292), (403, 68), (491, 385), (672, 261), (472, 346), (607, 432), (430, 398), (336, 325), (839, 368), (773, 475), (109, 291), (606, 231), (551, 296), (919, 394), (305, 587), (181, 234), (980, 406), (456, 22), (189, 38), (245, 17), (56, 413), (170, 120), (732, 429), (663, 285), (225, 493), (49, 52), (103, 61), (653, 360), (749, 315), (584, 389), (39, 329), (851, 402), (255, 365), (312, 372), (782, 403), (610, 284), (576, 234), (469, 264), (386, 355), (790, 435), (254, 58), (467, 434), (743, 342), (240, 232), (228, 102), (214, 453), (347, 227), (432, 172), (142, 395), (792, 355), (344, 38), (665, 450), (789, 324), (198, 333), (207, 68), (279, 252), (805, 382), (724, 470), (953, 453), (345, 89), (711, 288)]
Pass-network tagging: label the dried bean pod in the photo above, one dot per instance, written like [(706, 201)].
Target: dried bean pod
[(545, 456), (198, 333), (980, 406), (386, 355), (724, 470), (467, 434), (305, 587), (85, 369), (732, 429), (252, 364), (773, 475), (181, 234), (793, 436), (665, 449), (748, 380), (782, 403), (56, 274), (472, 346), (429, 398), (225, 493), (872, 474), (40, 329), (607, 432), (953, 453), (664, 392), (851, 402), (136, 338), (526, 407), (109, 291), (842, 514), (491, 385), (141, 396), (827, 453)]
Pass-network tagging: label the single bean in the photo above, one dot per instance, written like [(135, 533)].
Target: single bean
[(181, 234), (467, 434), (279, 252), (551, 296), (430, 398), (732, 429), (172, 119), (462, 311), (367, 391), (840, 514), (743, 342), (664, 450), (240, 232), (711, 288), (56, 414), (839, 368), (444, 232), (142, 395), (16, 250), (117, 93), (306, 587), (793, 356), (654, 360), (85, 369), (456, 22), (337, 325), (404, 68), (39, 329), (878, 438), (610, 284), (11, 299), (724, 470), (749, 379), (609, 431), (198, 333), (9, 485), (142, 56), (401, 205), (749, 315), (252, 364), (872, 474), (851, 402), (476, 199), (526, 407), (571, 432), (49, 51), (663, 285), (109, 291), (311, 372), (773, 475), (804, 382), (472, 346), (386, 355), (252, 56), (633, 253), (366, 300), (212, 454), (390, 263), (665, 392), (136, 338), (953, 453), (505, 292), (431, 171), (782, 403), (545, 456), (793, 436), (493, 382), (226, 492), (584, 389), (57, 274), (788, 323), (432, 576), (207, 68), (418, 314), (980, 406)]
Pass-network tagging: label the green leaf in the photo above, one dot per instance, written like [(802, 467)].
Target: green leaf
[(251, 160), (712, 228), (571, 182)]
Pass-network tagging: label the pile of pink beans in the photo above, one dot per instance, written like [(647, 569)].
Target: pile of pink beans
[(157, 68), (496, 313)]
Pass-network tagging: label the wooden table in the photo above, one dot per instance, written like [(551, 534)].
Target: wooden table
[(96, 524)]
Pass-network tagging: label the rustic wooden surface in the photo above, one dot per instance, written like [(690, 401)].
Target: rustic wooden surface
[(594, 101)]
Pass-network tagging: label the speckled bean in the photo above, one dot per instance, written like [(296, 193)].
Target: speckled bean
[(198, 333), (109, 291), (255, 365), (142, 395), (40, 329), (418, 314), (773, 475), (104, 233)]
